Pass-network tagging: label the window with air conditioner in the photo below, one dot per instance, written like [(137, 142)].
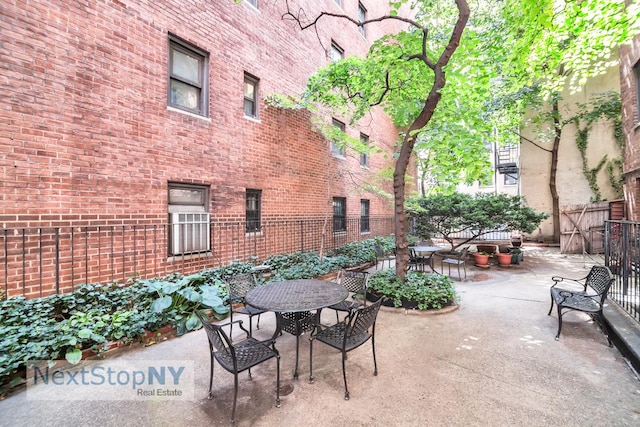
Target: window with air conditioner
[(189, 220)]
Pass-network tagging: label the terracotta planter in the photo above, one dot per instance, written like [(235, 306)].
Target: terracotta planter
[(504, 260), (481, 259)]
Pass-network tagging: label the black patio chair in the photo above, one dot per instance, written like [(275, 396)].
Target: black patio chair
[(238, 287), (457, 260), (590, 299), (417, 262), (297, 324), (239, 356), (356, 283), (351, 333), (381, 257)]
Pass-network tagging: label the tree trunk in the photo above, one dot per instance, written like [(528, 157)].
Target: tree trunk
[(409, 140), (555, 198)]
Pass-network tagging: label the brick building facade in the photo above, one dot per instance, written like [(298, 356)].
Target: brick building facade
[(129, 125), (630, 93)]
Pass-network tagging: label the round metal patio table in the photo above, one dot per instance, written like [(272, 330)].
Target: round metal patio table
[(431, 250), (292, 301)]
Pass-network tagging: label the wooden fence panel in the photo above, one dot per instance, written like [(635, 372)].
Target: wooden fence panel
[(582, 228)]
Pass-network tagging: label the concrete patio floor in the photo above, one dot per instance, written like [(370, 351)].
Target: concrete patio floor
[(493, 361)]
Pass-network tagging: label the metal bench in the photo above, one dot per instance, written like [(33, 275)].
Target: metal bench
[(589, 298)]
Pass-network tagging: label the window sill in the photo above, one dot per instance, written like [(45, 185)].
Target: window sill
[(338, 156), (180, 258), (186, 113), (252, 119), (636, 127), (364, 233), (253, 234)]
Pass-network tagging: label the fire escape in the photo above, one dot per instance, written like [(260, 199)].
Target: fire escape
[(507, 160)]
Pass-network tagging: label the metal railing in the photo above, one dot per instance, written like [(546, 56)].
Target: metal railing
[(622, 256), (36, 262)]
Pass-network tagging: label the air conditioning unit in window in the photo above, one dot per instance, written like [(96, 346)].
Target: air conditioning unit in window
[(190, 233)]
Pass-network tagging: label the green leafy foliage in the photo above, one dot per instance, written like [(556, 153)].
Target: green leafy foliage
[(177, 299), (447, 214), (429, 291), (96, 314)]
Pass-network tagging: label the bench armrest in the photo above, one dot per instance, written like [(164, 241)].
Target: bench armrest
[(559, 279)]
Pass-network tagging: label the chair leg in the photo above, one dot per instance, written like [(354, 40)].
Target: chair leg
[(373, 347), (235, 398), (559, 323), (258, 323), (278, 381), (344, 375), (600, 321), (211, 376), (311, 360), (550, 308), (295, 372)]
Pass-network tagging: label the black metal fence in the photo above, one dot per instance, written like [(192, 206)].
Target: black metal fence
[(622, 256), (37, 262)]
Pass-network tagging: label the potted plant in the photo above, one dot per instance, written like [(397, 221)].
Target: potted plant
[(488, 249), (504, 260), (481, 258)]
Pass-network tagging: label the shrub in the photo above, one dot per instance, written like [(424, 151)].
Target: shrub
[(94, 314), (429, 291)]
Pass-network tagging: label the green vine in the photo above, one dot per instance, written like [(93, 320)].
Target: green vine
[(605, 106)]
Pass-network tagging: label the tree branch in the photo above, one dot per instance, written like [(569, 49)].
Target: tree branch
[(297, 17), (531, 142)]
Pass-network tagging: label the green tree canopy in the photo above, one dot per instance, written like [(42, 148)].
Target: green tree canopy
[(448, 214)]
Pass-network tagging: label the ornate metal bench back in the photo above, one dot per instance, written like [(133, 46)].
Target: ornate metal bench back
[(599, 279), (239, 285), (354, 281)]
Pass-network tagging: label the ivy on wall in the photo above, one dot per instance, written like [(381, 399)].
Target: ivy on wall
[(605, 106)]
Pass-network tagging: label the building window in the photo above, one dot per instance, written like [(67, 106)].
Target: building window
[(364, 216), (188, 73), (337, 53), (362, 16), (254, 206), (188, 219), (253, 3), (364, 157), (636, 71), (250, 96), (338, 2), (511, 178), (338, 150), (339, 214)]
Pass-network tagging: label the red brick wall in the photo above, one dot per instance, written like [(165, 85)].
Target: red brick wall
[(629, 56), (87, 138)]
